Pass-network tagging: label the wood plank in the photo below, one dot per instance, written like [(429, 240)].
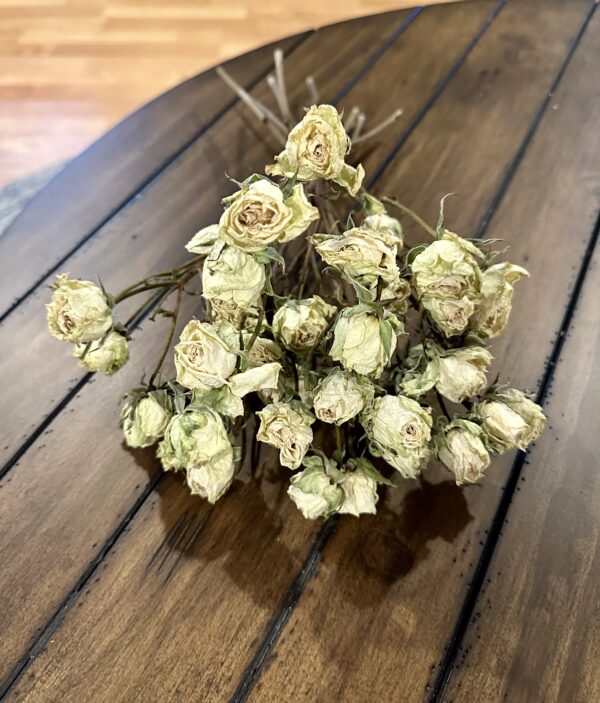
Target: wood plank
[(45, 586), (375, 621), (132, 244), (535, 633), (70, 541), (69, 210)]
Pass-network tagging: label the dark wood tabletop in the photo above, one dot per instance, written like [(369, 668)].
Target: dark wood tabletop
[(117, 585)]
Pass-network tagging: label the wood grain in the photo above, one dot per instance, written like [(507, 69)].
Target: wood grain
[(43, 486), (69, 210), (535, 632), (51, 460), (132, 243)]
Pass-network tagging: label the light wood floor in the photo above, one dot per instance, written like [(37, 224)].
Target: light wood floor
[(69, 69)]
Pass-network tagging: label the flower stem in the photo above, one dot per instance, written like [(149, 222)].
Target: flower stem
[(394, 203), (173, 327)]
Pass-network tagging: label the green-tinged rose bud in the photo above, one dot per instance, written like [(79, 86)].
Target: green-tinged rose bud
[(258, 215), (106, 356), (206, 355), (387, 224), (462, 372), (399, 430), (145, 419), (286, 426), (450, 315), (299, 324), (222, 400), (316, 148), (460, 447), (197, 440), (509, 420), (232, 275), (372, 205), (359, 485), (493, 311), (78, 311), (364, 342), (203, 241), (314, 490), (364, 254), (341, 396)]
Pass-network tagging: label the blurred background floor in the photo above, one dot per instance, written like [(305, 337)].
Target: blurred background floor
[(70, 69)]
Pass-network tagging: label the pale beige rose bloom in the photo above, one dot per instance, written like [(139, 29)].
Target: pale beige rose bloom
[(360, 493), (286, 426), (232, 275), (399, 430), (449, 314), (299, 324), (462, 450), (205, 356), (316, 148), (447, 268), (462, 372), (78, 311), (364, 254), (497, 285), (106, 355), (144, 421), (341, 396), (363, 342), (259, 215), (203, 241)]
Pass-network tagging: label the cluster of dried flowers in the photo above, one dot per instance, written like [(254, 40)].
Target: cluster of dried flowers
[(367, 366)]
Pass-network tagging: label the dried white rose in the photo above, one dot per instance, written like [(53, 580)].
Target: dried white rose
[(399, 430), (462, 372), (106, 355), (205, 356), (316, 148), (460, 446), (314, 490), (78, 311), (144, 420), (449, 314), (299, 324), (491, 315), (447, 268), (230, 274), (258, 215), (359, 485), (509, 420), (286, 426), (364, 342), (364, 254), (203, 241), (341, 396)]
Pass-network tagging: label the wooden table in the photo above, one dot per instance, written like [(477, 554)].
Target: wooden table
[(118, 586)]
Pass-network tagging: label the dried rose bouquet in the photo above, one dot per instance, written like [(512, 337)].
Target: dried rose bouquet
[(353, 350)]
